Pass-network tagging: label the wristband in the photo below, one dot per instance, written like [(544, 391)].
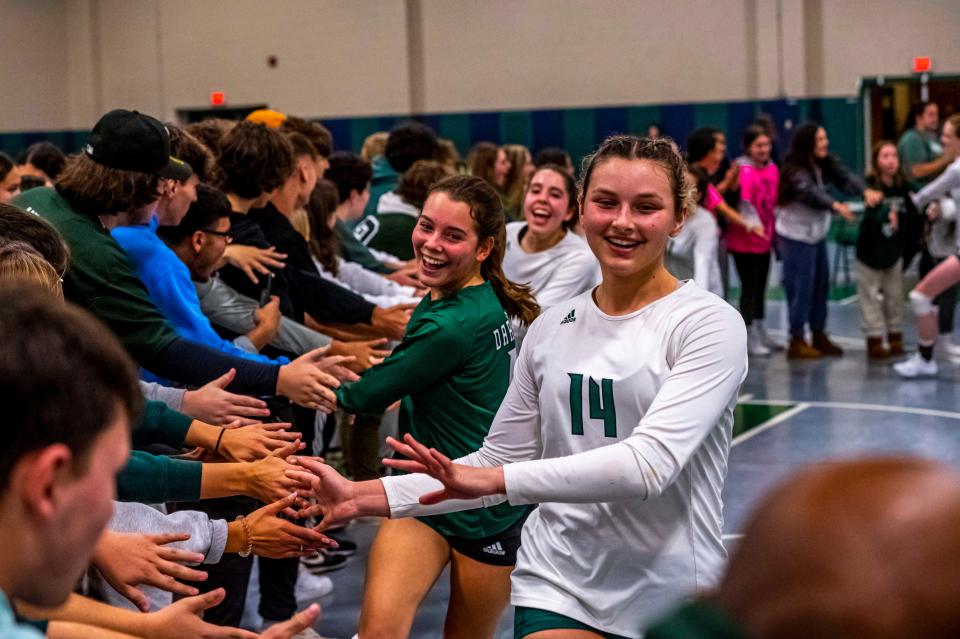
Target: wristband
[(247, 537), (216, 448)]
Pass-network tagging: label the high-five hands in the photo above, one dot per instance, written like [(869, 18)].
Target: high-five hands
[(459, 481)]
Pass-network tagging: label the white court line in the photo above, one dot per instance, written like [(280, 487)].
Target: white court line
[(847, 301), (770, 423), (746, 397), (906, 410), (732, 536)]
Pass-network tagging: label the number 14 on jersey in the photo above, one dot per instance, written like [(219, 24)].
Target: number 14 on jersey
[(600, 402)]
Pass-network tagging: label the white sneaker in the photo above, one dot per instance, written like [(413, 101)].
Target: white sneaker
[(765, 338), (755, 344), (310, 586), (916, 366)]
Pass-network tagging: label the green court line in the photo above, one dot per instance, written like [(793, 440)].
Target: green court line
[(747, 416)]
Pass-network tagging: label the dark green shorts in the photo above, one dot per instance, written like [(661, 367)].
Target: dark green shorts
[(527, 621)]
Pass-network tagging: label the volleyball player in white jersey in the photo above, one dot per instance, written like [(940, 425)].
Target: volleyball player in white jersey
[(618, 422)]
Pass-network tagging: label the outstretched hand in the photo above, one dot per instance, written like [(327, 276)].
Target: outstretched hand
[(214, 404), (129, 560), (333, 495), (276, 538), (459, 481)]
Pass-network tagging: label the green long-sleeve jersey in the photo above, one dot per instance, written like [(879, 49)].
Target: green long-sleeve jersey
[(451, 370)]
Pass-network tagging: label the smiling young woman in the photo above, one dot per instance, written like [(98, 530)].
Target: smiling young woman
[(542, 252), (451, 372), (617, 422)]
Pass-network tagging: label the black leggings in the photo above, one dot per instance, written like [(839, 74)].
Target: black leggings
[(753, 269)]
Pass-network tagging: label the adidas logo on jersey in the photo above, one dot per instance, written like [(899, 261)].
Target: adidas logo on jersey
[(569, 318), (495, 549)]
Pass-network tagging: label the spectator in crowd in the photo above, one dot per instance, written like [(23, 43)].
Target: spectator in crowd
[(542, 252), (922, 159), (879, 254), (489, 162), (9, 179), (804, 208), (406, 143), (43, 161), (919, 148), (210, 132), (759, 180), (87, 198), (374, 145), (521, 168)]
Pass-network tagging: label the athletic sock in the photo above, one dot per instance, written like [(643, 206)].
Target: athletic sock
[(926, 352)]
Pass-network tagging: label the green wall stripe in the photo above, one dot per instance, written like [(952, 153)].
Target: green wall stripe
[(516, 127)]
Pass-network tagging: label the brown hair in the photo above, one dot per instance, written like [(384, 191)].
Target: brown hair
[(301, 145), (659, 150), (418, 179), (448, 155), (319, 135), (873, 173), (254, 160), (481, 161), (94, 189), (488, 221), (16, 225), (46, 345), (573, 203), (324, 241), (516, 184), (210, 132), (20, 262), (188, 148)]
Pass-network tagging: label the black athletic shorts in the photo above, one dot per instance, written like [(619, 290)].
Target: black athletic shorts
[(496, 550)]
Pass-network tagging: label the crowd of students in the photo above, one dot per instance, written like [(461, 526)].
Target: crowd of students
[(238, 295)]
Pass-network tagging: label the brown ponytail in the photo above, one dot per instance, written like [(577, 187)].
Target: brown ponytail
[(487, 213)]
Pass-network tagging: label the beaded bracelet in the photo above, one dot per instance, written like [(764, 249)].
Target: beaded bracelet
[(248, 538)]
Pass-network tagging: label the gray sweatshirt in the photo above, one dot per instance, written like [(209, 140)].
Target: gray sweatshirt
[(207, 536)]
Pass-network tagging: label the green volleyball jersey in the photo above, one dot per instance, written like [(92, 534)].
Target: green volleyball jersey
[(451, 370)]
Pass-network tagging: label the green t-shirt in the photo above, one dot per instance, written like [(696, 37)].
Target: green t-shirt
[(394, 234), (451, 370), (355, 251), (100, 278), (915, 147)]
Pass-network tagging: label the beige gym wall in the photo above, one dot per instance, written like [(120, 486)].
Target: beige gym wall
[(66, 61)]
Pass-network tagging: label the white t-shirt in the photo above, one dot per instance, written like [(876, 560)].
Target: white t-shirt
[(557, 274), (694, 252), (620, 427)]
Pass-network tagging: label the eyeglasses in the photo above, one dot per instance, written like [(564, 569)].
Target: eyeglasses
[(227, 235)]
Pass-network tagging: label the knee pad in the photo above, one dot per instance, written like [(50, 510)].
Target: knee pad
[(920, 304)]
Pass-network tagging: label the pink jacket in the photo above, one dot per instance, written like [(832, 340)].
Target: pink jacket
[(758, 198)]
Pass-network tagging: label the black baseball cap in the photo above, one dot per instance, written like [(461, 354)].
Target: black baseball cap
[(132, 141)]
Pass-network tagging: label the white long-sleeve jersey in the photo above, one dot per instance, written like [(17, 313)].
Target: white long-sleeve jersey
[(620, 427)]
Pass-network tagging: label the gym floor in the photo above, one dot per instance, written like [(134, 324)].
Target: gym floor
[(790, 414)]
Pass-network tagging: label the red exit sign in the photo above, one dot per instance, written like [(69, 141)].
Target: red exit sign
[(922, 64), (217, 98)]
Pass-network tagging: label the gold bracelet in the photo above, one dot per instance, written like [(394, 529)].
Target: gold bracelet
[(248, 538)]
